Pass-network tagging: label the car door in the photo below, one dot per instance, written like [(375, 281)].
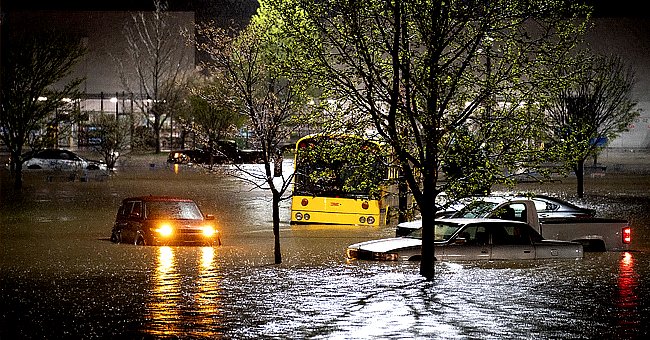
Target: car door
[(471, 243), (132, 220), (511, 241)]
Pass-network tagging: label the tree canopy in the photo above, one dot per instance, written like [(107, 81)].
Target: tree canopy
[(436, 78), (594, 107), (36, 92)]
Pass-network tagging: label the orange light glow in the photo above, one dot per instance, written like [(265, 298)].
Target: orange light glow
[(165, 230), (209, 231)]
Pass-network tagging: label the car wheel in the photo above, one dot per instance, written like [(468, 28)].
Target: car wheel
[(116, 237), (139, 240)]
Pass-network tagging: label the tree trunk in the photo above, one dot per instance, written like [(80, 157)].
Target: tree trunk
[(17, 167), (156, 131), (427, 263), (402, 199), (276, 227), (580, 177)]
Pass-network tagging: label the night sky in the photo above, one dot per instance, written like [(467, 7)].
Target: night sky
[(204, 7)]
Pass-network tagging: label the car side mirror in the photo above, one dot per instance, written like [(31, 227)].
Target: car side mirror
[(209, 217)]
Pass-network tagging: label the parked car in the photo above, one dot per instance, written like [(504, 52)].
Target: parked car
[(196, 156), (470, 239), (546, 206), (59, 159), (226, 152), (552, 218), (163, 220)]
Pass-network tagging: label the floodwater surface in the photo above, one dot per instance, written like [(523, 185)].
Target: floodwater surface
[(60, 276)]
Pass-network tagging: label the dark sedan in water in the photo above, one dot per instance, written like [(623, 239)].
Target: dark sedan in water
[(163, 220)]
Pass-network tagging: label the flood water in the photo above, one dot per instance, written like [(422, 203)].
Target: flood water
[(60, 277)]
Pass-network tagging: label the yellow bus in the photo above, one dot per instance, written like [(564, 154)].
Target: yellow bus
[(339, 179)]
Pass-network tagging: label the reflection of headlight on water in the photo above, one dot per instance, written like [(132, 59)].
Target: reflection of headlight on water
[(165, 260), (207, 256)]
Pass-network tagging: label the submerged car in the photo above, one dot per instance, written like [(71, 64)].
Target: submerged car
[(163, 220), (470, 239), (59, 159), (547, 208), (226, 152), (196, 156)]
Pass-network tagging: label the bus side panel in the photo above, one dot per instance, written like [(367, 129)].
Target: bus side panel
[(332, 210)]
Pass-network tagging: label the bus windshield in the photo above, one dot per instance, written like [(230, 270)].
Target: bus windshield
[(339, 166)]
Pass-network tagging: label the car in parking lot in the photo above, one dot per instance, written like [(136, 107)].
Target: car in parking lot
[(225, 152), (163, 220), (59, 159), (470, 239), (196, 156)]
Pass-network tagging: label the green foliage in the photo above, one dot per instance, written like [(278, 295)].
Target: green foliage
[(211, 114), (432, 74), (425, 69), (594, 103), (113, 136), (342, 165)]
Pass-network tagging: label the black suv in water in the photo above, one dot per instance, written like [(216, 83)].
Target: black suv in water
[(163, 220)]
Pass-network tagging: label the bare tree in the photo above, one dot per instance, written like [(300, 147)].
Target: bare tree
[(595, 105), (265, 92), (161, 63), (429, 73), (31, 104)]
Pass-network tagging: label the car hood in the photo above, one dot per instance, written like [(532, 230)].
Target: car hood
[(387, 244)]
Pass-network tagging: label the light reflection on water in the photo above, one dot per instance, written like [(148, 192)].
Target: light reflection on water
[(61, 278), (185, 296), (627, 302)]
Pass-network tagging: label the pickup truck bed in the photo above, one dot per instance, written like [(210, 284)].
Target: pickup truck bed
[(595, 234)]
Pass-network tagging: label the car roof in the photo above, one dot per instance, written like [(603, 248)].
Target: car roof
[(465, 221), (151, 198)]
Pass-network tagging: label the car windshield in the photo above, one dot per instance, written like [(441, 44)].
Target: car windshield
[(443, 231), (475, 209), (172, 210)]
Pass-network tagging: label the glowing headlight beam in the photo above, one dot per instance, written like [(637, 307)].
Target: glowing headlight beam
[(165, 230), (209, 231)]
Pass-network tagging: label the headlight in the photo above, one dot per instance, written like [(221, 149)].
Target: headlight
[(165, 230), (209, 231), (386, 256)]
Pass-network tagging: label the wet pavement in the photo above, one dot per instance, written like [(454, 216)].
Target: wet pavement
[(60, 277)]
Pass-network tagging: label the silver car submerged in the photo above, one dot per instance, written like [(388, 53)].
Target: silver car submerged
[(59, 159), (468, 240)]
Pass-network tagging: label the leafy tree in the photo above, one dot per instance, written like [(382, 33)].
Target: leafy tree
[(430, 73), (160, 63), (31, 103), (113, 137), (595, 105), (254, 64), (212, 114)]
